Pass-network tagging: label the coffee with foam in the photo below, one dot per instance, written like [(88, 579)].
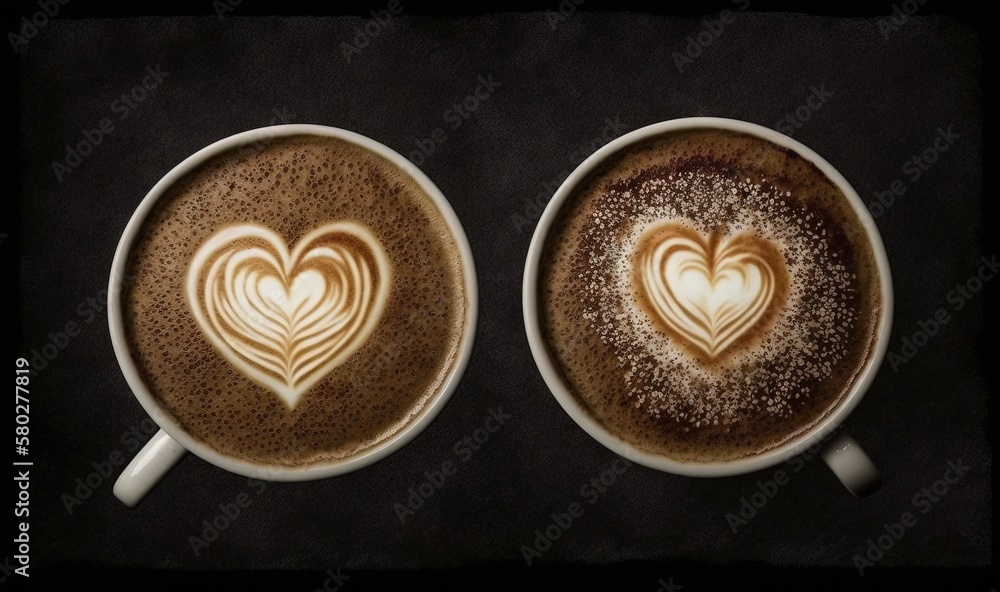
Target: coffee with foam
[(708, 295), (295, 304)]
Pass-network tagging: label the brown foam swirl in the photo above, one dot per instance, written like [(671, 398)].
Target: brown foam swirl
[(286, 319), (711, 292)]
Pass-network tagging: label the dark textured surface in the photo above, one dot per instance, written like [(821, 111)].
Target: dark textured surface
[(558, 91)]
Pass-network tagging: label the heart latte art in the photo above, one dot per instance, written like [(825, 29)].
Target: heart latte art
[(708, 292), (286, 319)]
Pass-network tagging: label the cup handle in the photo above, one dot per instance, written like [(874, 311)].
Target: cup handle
[(157, 457), (852, 466)]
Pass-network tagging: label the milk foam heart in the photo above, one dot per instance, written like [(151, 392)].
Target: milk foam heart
[(286, 319), (708, 291)]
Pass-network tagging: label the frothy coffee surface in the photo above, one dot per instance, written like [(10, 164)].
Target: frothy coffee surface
[(708, 295), (295, 302)]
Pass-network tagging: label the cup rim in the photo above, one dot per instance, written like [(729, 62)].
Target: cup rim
[(275, 472), (547, 367)]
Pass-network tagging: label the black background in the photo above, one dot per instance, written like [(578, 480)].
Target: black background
[(558, 86)]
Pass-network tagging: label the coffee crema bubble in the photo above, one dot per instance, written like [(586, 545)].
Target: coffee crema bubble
[(708, 295), (296, 304)]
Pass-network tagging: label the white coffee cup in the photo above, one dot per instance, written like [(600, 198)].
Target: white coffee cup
[(848, 460), (169, 444)]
